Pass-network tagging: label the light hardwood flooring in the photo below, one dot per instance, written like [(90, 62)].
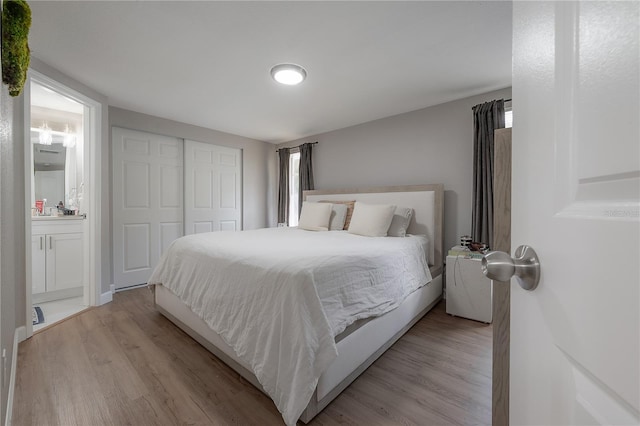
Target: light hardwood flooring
[(125, 364)]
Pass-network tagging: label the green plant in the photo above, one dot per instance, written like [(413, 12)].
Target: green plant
[(16, 21)]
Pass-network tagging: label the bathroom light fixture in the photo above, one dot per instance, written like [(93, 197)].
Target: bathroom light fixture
[(69, 139), (289, 74), (45, 137)]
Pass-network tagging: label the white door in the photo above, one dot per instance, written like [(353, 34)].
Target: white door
[(575, 200), (213, 188), (147, 202)]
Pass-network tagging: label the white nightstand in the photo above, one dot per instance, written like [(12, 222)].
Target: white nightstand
[(469, 292)]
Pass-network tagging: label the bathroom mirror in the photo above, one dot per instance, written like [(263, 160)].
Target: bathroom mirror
[(49, 164), (57, 141)]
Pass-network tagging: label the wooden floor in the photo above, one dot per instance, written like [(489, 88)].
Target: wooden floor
[(125, 364)]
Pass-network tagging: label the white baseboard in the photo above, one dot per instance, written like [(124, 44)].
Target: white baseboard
[(131, 287), (106, 297), (19, 335)]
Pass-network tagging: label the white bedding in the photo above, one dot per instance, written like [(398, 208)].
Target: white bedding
[(279, 296)]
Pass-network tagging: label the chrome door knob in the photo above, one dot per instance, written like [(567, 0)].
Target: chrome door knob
[(499, 266)]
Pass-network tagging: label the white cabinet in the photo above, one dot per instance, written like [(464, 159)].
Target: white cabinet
[(469, 292), (38, 263), (57, 259)]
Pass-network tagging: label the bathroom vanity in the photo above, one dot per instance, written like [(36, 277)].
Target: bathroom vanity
[(57, 257)]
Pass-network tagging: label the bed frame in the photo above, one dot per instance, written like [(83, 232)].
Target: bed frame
[(363, 342)]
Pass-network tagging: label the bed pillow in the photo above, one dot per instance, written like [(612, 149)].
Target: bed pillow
[(338, 216), (371, 220), (315, 216), (400, 222), (349, 204)]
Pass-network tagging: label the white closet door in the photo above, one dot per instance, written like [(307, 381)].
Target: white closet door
[(213, 188), (147, 202)]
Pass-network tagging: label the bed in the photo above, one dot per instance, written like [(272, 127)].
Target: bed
[(322, 345)]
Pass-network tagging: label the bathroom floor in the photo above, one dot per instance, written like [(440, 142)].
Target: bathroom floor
[(58, 310)]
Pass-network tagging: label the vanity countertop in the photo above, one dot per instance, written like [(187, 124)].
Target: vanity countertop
[(67, 217)]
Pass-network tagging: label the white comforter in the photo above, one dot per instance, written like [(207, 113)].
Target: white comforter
[(279, 296)]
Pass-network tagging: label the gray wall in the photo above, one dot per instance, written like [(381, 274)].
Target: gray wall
[(255, 186), (12, 229), (13, 209), (431, 145)]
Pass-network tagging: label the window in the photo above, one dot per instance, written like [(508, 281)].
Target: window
[(294, 185), (508, 115)]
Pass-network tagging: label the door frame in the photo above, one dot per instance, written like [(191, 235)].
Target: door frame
[(501, 289), (92, 127)]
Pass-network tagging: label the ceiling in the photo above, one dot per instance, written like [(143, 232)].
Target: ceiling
[(208, 63), (44, 97)]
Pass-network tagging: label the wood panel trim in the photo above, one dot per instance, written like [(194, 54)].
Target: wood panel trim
[(501, 290)]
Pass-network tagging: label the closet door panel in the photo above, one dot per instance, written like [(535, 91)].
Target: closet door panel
[(136, 242), (147, 201), (200, 227), (228, 190), (171, 187), (228, 225), (136, 186), (169, 224), (169, 232), (213, 182), (202, 188)]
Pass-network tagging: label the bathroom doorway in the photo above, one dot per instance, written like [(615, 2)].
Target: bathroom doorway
[(60, 187)]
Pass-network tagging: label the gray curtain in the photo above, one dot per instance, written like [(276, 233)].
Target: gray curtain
[(283, 185), (306, 170), (486, 118)]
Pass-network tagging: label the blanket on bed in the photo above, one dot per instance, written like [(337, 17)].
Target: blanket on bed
[(279, 296)]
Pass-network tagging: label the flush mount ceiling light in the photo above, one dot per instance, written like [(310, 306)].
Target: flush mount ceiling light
[(289, 74)]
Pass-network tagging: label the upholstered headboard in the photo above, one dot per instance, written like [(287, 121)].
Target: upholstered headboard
[(425, 200)]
